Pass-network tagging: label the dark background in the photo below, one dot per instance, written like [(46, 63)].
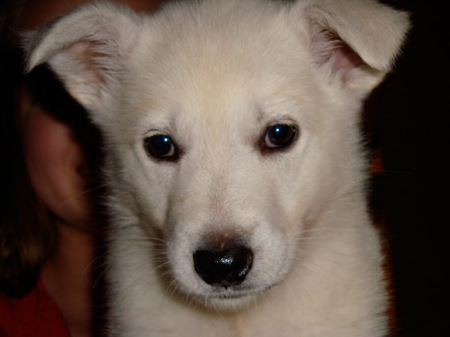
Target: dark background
[(410, 194)]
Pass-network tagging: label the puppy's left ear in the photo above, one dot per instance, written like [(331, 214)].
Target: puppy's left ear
[(355, 41), (87, 49)]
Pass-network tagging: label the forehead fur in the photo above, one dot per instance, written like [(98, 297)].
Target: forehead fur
[(204, 52)]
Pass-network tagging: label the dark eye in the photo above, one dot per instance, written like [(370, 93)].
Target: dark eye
[(279, 136), (161, 147)]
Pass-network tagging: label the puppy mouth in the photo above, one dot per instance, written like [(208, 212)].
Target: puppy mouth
[(230, 300), (234, 293)]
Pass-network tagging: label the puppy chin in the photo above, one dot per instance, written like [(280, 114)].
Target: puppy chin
[(228, 300), (231, 304)]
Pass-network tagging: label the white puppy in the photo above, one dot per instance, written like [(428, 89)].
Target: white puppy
[(233, 161)]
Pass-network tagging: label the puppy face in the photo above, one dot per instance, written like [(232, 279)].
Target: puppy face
[(225, 151), (237, 167), (227, 135)]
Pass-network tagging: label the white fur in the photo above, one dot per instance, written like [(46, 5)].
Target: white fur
[(213, 75)]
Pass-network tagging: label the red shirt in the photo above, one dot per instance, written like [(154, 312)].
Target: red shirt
[(34, 315)]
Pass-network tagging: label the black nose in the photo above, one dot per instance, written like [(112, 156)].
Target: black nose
[(226, 267)]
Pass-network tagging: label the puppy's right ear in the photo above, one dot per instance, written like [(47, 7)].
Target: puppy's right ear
[(86, 49)]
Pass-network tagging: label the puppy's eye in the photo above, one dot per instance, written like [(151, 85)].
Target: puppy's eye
[(161, 147), (279, 136)]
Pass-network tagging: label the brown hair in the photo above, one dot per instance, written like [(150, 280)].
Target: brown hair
[(27, 229), (27, 233)]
